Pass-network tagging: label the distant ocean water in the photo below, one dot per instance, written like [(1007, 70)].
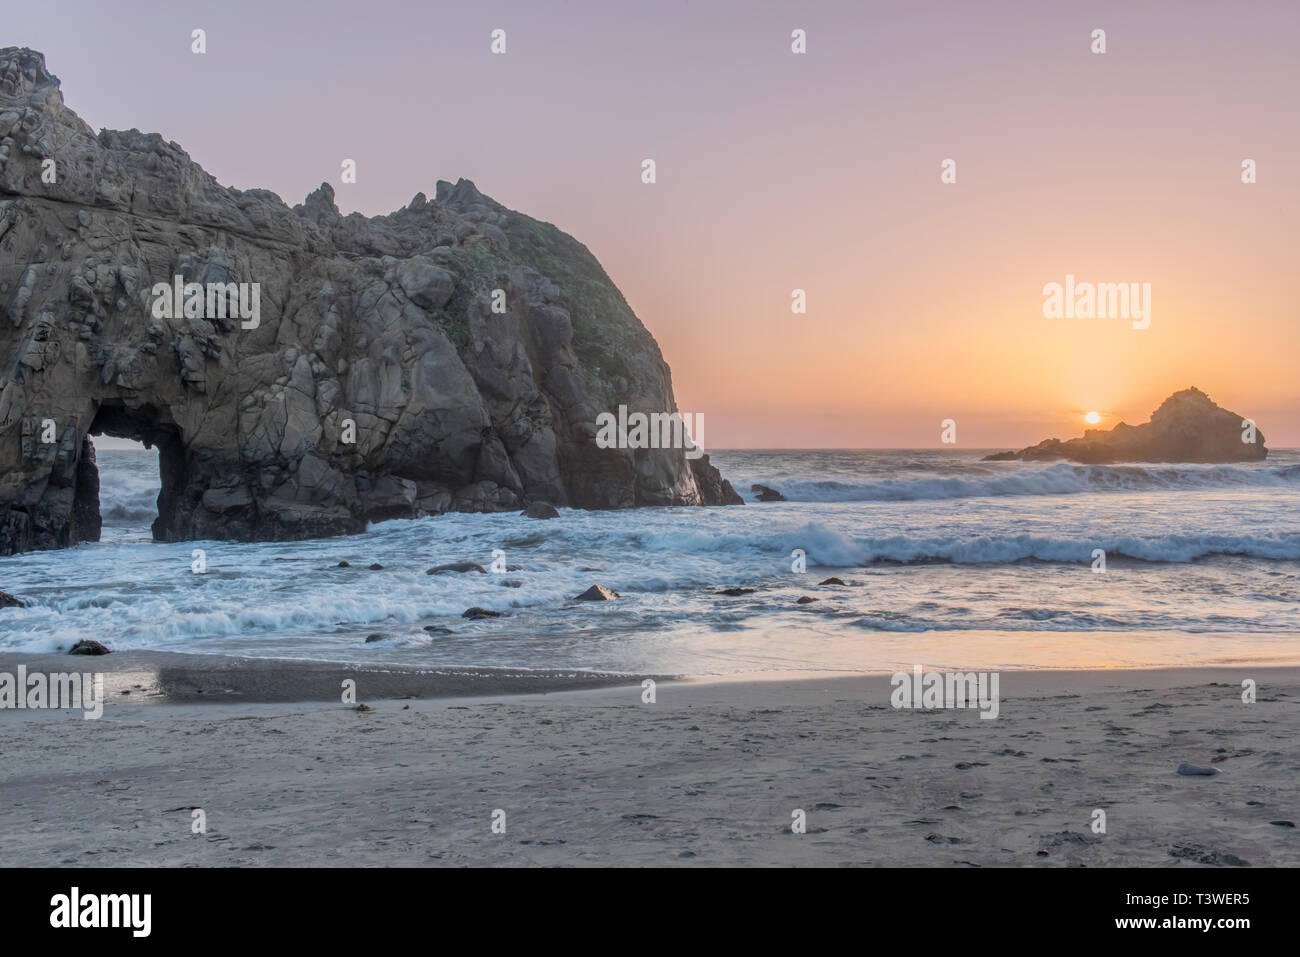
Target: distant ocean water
[(949, 561)]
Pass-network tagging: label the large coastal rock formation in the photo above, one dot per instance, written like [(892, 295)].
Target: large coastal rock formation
[(1188, 427), (378, 381)]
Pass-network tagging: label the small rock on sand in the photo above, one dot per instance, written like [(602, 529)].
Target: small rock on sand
[(1204, 855), (88, 647)]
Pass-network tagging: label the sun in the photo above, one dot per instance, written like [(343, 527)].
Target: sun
[(1092, 418)]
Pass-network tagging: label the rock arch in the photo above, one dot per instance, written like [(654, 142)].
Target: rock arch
[(376, 381), (152, 428)]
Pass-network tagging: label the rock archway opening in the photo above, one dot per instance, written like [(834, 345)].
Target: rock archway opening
[(134, 475)]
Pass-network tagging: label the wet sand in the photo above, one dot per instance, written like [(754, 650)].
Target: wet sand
[(162, 677), (711, 773)]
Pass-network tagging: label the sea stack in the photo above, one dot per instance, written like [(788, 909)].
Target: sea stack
[(301, 372), (1188, 427)]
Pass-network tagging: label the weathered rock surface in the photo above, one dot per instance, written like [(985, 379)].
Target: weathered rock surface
[(378, 382), (597, 593), (457, 567), (88, 646), (1188, 427)]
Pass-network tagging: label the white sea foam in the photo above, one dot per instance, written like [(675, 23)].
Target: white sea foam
[(1035, 479), (1191, 549)]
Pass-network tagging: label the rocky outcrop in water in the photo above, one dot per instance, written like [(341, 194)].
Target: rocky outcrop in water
[(1188, 427), (322, 371)]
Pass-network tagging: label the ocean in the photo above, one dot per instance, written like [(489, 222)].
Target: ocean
[(948, 562)]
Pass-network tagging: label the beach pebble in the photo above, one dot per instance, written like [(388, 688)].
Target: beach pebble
[(457, 567), (597, 593), (1192, 770), (88, 647), (477, 612), (1204, 855)]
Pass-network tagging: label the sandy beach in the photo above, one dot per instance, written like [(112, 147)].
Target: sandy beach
[(588, 774)]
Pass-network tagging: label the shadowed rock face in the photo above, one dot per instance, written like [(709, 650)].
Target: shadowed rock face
[(1188, 427), (378, 382)]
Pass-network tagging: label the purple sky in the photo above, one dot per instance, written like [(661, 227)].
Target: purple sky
[(779, 171)]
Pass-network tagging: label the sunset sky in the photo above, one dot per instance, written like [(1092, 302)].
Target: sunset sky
[(779, 171)]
